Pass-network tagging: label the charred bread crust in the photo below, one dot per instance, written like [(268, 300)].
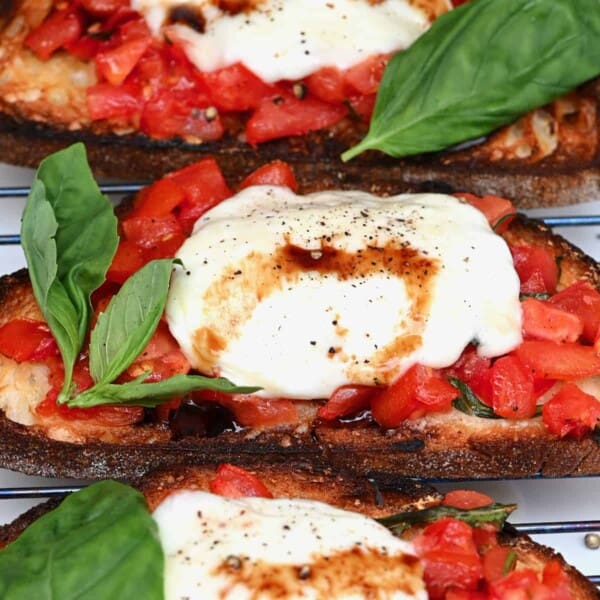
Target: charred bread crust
[(315, 161), (438, 446), (345, 491), (555, 163)]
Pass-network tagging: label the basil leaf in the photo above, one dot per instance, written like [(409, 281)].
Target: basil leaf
[(124, 329), (481, 66), (536, 295), (137, 393), (100, 544), (495, 514), (469, 403), (69, 236)]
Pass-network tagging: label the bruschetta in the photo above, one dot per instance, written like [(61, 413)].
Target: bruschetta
[(494, 376)]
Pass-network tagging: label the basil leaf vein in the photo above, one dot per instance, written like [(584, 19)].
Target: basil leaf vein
[(127, 325), (101, 543), (481, 66)]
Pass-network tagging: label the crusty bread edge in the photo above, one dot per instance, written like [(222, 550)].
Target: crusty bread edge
[(315, 160)]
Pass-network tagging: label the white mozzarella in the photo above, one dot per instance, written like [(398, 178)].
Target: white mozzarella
[(262, 548), (290, 39), (302, 294)]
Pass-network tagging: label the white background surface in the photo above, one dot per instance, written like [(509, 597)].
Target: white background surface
[(538, 500)]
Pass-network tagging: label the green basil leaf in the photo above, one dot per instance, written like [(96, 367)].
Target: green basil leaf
[(124, 329), (100, 544), (469, 403), (69, 236), (137, 393), (495, 514), (536, 295), (481, 66)]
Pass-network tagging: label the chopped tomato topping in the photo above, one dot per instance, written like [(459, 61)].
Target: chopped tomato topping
[(512, 389), (25, 340), (497, 563), (327, 84), (158, 199), (466, 499), (61, 28), (523, 584), (346, 400), (583, 300), (450, 557), (106, 101), (253, 411), (204, 186), (235, 88), (555, 578), (536, 267), (419, 390), (365, 77), (147, 232), (551, 360), (495, 209), (571, 412), (476, 372), (103, 8), (276, 172), (115, 64), (127, 260), (286, 115), (234, 482), (542, 321)]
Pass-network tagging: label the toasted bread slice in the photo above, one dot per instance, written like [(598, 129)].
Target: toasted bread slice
[(549, 157), (349, 493), (443, 445)]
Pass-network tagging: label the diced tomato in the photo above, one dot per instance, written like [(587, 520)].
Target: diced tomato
[(512, 389), (450, 557), (234, 482), (363, 106), (456, 3), (497, 563), (116, 64), (286, 116), (204, 186), (276, 172), (550, 360), (494, 208), (25, 340), (476, 372), (557, 580), (327, 84), (536, 267), (522, 584), (127, 260), (83, 48), (571, 412), (253, 411), (103, 8), (146, 232), (542, 321), (460, 594), (61, 28), (158, 199), (485, 537), (365, 77), (106, 101), (235, 88), (583, 300), (346, 400), (161, 357), (466, 499), (419, 390)]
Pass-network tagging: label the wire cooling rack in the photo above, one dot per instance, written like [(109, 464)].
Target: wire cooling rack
[(586, 530)]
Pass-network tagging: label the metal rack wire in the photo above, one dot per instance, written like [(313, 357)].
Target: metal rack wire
[(530, 528)]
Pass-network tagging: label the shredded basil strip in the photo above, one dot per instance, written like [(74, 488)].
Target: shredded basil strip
[(495, 514), (469, 403), (69, 236), (481, 66), (101, 543)]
